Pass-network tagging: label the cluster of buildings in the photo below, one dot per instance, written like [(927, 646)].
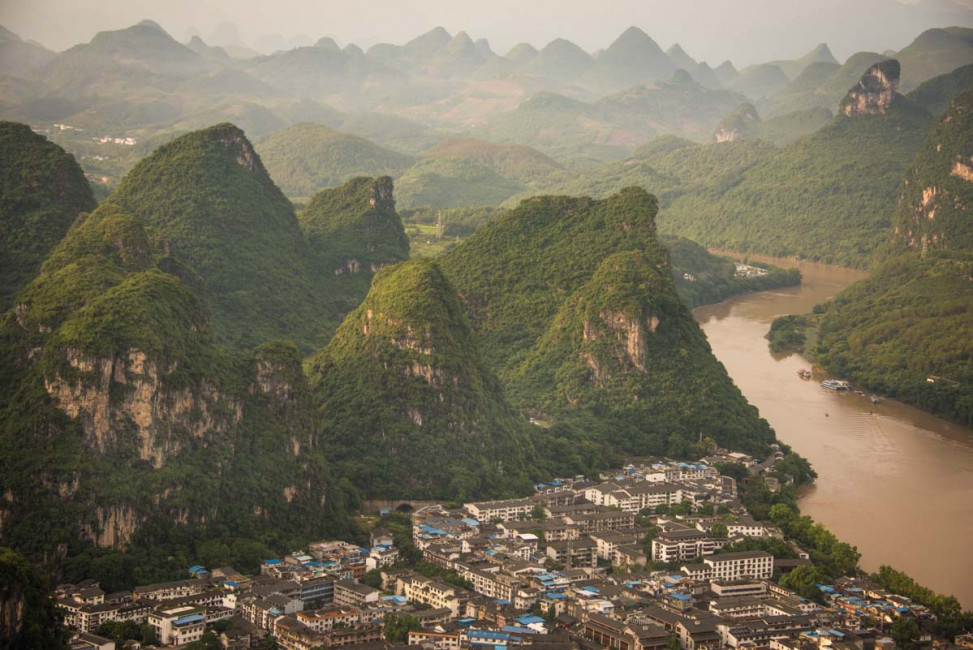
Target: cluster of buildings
[(630, 562), (108, 139), (747, 271)]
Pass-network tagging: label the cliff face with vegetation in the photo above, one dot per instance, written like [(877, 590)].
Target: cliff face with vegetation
[(934, 206), (122, 412), (354, 228), (43, 189), (28, 620), (907, 330), (576, 306), (406, 401)]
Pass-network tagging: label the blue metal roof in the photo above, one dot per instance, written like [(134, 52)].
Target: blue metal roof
[(192, 618), (470, 521), (434, 531), (529, 619), (271, 561)]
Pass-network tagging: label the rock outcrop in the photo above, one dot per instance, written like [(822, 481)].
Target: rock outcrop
[(737, 125), (110, 394), (875, 92), (936, 203)]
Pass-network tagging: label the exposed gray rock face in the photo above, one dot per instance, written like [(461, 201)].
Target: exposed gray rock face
[(875, 92)]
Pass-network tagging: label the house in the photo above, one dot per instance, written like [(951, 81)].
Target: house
[(87, 641), (328, 618), (354, 594), (438, 637)]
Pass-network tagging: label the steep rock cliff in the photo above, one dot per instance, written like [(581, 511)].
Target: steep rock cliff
[(122, 421), (875, 92), (935, 209)]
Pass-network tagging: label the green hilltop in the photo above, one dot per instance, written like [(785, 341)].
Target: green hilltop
[(516, 162), (208, 195), (403, 383), (266, 273), (353, 232), (453, 182), (305, 158), (527, 278), (935, 52), (43, 189)]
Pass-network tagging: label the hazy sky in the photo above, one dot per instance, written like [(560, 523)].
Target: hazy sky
[(745, 31)]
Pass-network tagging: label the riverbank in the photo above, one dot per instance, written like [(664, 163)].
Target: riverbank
[(892, 480)]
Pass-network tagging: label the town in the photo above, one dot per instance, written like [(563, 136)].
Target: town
[(641, 559)]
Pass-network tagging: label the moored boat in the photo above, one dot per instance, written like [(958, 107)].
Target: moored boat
[(804, 373), (835, 385)]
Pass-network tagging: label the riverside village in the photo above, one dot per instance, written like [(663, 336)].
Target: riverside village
[(657, 555)]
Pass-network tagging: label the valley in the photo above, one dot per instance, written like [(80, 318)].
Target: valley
[(248, 292)]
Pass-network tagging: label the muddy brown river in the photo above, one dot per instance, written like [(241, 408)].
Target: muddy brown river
[(892, 480)]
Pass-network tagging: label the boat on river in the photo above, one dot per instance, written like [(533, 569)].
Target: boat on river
[(804, 373), (836, 385)]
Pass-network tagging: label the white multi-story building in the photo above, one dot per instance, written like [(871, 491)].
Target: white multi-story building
[(734, 566), (431, 592), (178, 626), (679, 545), (501, 510)]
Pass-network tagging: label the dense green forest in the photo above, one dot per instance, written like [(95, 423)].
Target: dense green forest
[(527, 279), (25, 595), (403, 383), (42, 190), (828, 196), (787, 334), (906, 331)]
